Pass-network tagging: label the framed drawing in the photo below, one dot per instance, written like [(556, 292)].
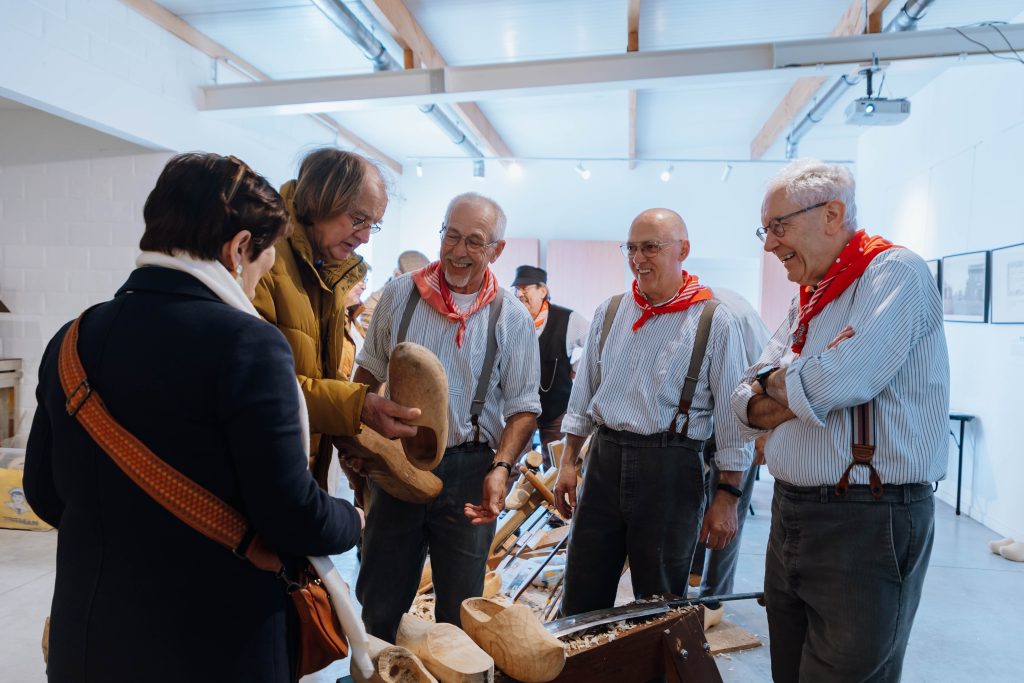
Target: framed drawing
[(965, 287), (1008, 284), (935, 266)]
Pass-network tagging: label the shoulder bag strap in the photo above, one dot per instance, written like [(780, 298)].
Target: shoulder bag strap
[(179, 495), (606, 327), (700, 348), (477, 407)]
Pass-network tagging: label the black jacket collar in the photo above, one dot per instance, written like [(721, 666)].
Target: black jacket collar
[(165, 281)]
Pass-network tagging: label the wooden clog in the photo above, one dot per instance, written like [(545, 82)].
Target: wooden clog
[(385, 463), (417, 379), (448, 653), (515, 638), (393, 664)]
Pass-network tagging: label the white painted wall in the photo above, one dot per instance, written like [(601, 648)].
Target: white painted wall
[(944, 182), (550, 201)]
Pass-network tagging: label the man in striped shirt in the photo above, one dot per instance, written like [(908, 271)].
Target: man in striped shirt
[(643, 490), (455, 308), (853, 393)]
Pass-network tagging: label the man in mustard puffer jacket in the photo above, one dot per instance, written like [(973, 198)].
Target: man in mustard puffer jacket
[(335, 205)]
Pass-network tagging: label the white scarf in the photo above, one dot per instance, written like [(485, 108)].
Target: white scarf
[(214, 275)]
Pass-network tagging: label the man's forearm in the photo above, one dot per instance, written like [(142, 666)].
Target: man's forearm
[(730, 478), (518, 430), (765, 412), (573, 446)]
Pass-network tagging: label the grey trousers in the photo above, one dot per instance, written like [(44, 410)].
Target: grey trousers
[(398, 535), (843, 580), (642, 498), (718, 567)]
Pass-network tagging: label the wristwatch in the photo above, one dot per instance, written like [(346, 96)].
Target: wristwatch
[(495, 465), (762, 377)]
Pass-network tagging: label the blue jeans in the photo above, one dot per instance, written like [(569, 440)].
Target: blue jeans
[(843, 580), (399, 534), (642, 498)]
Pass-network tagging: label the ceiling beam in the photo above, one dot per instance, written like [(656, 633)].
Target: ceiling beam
[(178, 27), (407, 31), (801, 93), (632, 45), (710, 66)]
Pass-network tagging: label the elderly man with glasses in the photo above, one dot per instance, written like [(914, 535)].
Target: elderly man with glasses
[(659, 366), (853, 394), (455, 308)]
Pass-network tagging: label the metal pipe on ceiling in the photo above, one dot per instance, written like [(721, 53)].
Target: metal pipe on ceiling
[(905, 20), (362, 37)]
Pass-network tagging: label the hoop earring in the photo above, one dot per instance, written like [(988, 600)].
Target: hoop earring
[(238, 276)]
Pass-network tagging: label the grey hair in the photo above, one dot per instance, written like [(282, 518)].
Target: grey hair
[(473, 197), (809, 181)]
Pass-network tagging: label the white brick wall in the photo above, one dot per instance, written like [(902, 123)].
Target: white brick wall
[(69, 235)]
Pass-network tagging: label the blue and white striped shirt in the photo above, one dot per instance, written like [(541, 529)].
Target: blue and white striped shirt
[(642, 377), (897, 356), (514, 383)]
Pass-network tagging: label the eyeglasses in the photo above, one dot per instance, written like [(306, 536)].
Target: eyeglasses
[(474, 245), (775, 224), (648, 249), (359, 224)]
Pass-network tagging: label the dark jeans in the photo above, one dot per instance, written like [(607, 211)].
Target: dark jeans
[(718, 567), (843, 579), (642, 498), (399, 534)]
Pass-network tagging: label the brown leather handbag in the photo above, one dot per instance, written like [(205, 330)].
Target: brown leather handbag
[(321, 638)]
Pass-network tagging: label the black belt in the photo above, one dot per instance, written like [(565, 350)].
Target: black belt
[(467, 447), (891, 493), (660, 439)]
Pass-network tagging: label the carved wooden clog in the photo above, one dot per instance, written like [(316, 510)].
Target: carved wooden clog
[(417, 379), (515, 638), (448, 653), (393, 664), (384, 461)]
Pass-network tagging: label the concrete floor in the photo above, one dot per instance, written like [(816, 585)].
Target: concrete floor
[(969, 624)]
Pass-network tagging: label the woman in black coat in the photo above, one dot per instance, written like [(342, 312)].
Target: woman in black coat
[(182, 361)]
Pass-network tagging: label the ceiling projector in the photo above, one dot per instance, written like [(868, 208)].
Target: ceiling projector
[(877, 111)]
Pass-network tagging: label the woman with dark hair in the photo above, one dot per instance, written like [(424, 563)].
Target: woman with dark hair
[(184, 364), (335, 204)]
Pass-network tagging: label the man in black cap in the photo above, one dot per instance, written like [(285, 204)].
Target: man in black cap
[(561, 334)]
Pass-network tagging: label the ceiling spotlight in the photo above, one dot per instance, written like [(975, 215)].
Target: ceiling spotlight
[(419, 169), (515, 170), (479, 171), (584, 172), (666, 175)]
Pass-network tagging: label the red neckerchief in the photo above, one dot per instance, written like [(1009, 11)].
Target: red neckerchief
[(542, 315), (852, 262), (434, 290), (690, 293)]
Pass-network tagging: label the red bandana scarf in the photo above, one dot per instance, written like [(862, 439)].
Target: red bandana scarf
[(434, 290), (542, 315), (690, 293), (852, 262)]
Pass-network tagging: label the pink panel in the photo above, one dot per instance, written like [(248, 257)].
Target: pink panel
[(583, 273), (518, 252), (776, 292)]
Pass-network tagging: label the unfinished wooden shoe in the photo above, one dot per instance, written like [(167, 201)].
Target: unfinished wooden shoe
[(515, 638), (393, 664), (417, 379), (446, 650), (492, 584), (385, 463)]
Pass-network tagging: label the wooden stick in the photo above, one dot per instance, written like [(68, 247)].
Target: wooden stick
[(538, 484)]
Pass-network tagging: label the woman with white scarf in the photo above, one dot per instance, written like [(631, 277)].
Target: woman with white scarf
[(184, 363)]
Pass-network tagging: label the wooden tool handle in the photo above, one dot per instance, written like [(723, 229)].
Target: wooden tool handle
[(538, 484)]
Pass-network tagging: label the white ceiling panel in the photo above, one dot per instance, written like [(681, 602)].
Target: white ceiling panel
[(399, 132), (592, 125)]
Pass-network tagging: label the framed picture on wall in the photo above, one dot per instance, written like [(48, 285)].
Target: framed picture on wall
[(1008, 284), (965, 287), (935, 266)]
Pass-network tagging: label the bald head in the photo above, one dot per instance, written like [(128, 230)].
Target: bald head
[(659, 225)]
